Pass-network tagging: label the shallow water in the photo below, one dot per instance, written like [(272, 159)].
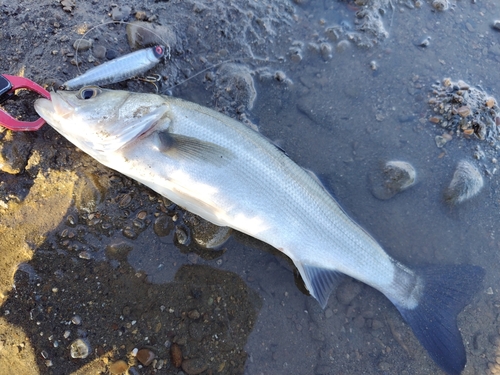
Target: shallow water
[(336, 116)]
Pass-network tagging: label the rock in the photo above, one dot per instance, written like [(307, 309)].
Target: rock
[(99, 51), (394, 177), (163, 225), (118, 250), (194, 366), (440, 5), (496, 24), (118, 367), (145, 356), (209, 235), (176, 355), (466, 183), (120, 13), (79, 349), (82, 45)]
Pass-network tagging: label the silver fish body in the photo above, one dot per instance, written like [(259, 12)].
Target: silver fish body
[(232, 176), (119, 69)]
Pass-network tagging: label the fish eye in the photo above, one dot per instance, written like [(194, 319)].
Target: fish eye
[(88, 92)]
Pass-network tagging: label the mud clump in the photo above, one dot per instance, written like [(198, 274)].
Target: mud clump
[(235, 86), (466, 183), (394, 177)]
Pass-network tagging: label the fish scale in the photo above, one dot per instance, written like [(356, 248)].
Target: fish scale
[(223, 171)]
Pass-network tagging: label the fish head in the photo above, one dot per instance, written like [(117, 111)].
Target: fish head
[(101, 121)]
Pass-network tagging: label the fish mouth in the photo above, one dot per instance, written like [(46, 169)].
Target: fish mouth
[(56, 106)]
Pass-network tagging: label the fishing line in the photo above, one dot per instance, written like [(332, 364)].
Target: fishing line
[(167, 54)]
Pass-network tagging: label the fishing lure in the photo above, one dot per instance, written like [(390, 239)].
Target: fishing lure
[(119, 69)]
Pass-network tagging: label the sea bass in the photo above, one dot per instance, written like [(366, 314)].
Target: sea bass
[(223, 171)]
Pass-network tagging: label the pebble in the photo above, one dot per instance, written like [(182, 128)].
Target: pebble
[(176, 355), (82, 45), (79, 349), (163, 225), (118, 367), (194, 366), (76, 320), (111, 54), (496, 24), (209, 235), (99, 51), (120, 13), (393, 178), (181, 236), (145, 356), (440, 5), (466, 183)]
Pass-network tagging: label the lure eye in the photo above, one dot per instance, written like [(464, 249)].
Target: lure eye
[(88, 93), (158, 51)]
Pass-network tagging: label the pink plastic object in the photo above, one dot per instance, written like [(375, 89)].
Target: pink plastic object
[(10, 122)]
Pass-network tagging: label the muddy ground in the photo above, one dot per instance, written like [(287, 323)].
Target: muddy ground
[(90, 257)]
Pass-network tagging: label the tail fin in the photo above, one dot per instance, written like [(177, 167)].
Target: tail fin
[(447, 290)]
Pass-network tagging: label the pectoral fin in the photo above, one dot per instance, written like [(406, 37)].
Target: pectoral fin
[(190, 148)]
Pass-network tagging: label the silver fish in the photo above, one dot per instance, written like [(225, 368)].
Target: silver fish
[(228, 174), (119, 69)]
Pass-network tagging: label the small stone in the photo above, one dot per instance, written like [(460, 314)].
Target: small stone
[(120, 13), (118, 367), (140, 15), (82, 45), (435, 119), (496, 24), (440, 5), (111, 54), (99, 51), (176, 355), (79, 349), (194, 366), (163, 225), (490, 102), (464, 111), (440, 141), (145, 356), (194, 314), (76, 320), (181, 236)]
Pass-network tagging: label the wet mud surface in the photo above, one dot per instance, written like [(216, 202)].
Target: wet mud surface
[(344, 87)]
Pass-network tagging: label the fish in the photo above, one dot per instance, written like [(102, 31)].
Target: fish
[(231, 175), (119, 69)]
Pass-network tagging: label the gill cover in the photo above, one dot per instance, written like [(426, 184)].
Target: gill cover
[(101, 120)]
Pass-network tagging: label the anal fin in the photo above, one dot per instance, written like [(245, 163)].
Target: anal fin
[(319, 281)]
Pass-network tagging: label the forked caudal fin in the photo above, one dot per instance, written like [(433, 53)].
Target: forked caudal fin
[(447, 290)]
